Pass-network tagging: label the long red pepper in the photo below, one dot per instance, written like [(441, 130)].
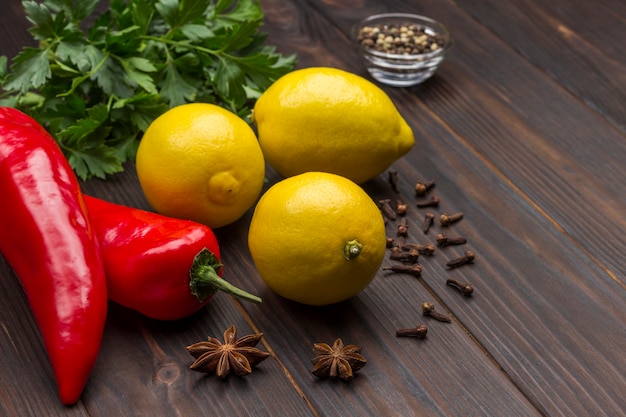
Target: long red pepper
[(46, 237), (162, 267)]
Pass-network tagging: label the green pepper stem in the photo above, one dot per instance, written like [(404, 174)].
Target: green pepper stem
[(352, 249), (205, 280)]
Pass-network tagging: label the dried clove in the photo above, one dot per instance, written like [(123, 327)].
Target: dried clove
[(387, 210), (390, 242), (393, 180), (429, 219), (443, 240), (426, 249), (401, 207), (468, 258), (403, 227), (407, 257), (447, 220), (431, 202), (418, 332), (465, 289), (396, 245), (421, 188), (415, 270), (428, 309)]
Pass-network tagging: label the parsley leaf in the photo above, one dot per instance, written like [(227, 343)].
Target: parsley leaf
[(30, 68), (96, 82)]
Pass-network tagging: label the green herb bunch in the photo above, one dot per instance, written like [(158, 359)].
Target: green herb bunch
[(96, 82)]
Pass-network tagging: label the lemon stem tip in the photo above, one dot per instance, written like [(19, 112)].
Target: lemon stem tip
[(352, 249)]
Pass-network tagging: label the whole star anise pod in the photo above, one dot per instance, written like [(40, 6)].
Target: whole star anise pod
[(338, 361), (238, 355)]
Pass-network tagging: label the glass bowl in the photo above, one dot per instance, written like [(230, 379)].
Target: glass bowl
[(401, 49)]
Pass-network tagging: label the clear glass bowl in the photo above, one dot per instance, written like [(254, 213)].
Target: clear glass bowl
[(401, 60)]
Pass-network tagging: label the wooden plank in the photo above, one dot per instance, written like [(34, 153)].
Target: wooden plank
[(617, 7), (290, 331), (142, 367), (547, 279), (578, 27), (298, 360), (540, 296), (413, 376), (144, 370), (28, 384), (551, 155), (543, 334), (550, 146), (13, 29), (580, 44), (555, 149)]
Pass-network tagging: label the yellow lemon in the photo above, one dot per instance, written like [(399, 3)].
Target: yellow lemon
[(200, 162), (317, 238), (326, 119)]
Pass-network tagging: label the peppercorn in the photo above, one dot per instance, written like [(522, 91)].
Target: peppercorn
[(399, 39)]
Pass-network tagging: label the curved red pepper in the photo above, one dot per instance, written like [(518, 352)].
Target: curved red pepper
[(46, 237), (162, 267)]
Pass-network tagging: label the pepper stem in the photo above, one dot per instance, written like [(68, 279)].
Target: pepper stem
[(352, 249), (205, 281)]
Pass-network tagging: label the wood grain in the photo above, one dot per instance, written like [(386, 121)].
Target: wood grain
[(523, 130), (589, 62)]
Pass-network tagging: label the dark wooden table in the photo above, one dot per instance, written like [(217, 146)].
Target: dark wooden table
[(524, 131)]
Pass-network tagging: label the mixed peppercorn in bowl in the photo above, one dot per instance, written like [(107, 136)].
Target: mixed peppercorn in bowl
[(401, 49)]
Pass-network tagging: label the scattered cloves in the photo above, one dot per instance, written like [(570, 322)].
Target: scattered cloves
[(401, 207), (428, 309), (387, 210), (407, 257), (468, 258), (415, 270), (403, 227), (465, 289), (393, 180), (431, 202), (418, 332), (447, 220), (443, 240), (426, 249), (390, 242), (421, 188), (429, 219)]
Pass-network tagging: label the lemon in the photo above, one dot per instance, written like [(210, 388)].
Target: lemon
[(200, 162), (330, 120), (317, 238)]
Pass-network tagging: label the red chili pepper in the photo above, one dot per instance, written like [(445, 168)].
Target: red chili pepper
[(46, 237), (162, 267)]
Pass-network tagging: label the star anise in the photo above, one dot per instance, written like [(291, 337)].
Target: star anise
[(236, 355), (338, 361)]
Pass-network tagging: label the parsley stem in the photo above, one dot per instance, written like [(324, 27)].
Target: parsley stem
[(78, 80), (214, 52)]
